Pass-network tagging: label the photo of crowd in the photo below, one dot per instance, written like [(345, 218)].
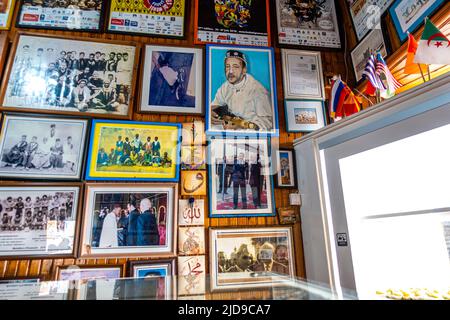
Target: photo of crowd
[(305, 116), (68, 75), (66, 4)]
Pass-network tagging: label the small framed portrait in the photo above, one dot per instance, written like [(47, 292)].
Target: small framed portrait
[(39, 219), (172, 80), (191, 212), (308, 23), (304, 115), (251, 257), (88, 272), (408, 16), (191, 275), (165, 18), (129, 219), (288, 215), (193, 158), (6, 13), (240, 182), (231, 22), (286, 174), (42, 147), (191, 240), (241, 90), (193, 183), (72, 76), (130, 150), (372, 43), (193, 133), (73, 15), (302, 74)]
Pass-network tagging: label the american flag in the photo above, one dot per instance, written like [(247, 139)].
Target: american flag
[(382, 68), (370, 73)]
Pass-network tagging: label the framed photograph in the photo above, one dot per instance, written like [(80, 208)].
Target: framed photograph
[(191, 213), (6, 13), (4, 45), (288, 215), (129, 219), (286, 169), (191, 240), (372, 43), (366, 15), (193, 183), (304, 115), (74, 15), (74, 76), (131, 150), (241, 90), (193, 158), (172, 80), (308, 23), (161, 272), (408, 15), (88, 272), (39, 219), (240, 182), (232, 22), (191, 275), (302, 74), (151, 18), (42, 147), (193, 133), (251, 257)]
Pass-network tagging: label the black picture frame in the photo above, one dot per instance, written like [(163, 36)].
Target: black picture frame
[(294, 166)]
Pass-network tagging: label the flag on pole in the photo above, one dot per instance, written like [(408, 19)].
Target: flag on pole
[(342, 101), (351, 105), (369, 73), (411, 67), (434, 46), (390, 84)]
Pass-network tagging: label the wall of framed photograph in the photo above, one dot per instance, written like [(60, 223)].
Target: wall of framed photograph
[(304, 115), (286, 176), (6, 13)]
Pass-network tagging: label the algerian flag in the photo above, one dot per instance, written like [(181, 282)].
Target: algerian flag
[(434, 46)]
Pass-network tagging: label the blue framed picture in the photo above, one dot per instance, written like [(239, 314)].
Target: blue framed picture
[(304, 115), (408, 15), (240, 179), (131, 150), (241, 91)]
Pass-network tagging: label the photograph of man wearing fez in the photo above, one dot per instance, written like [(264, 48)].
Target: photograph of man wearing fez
[(241, 95)]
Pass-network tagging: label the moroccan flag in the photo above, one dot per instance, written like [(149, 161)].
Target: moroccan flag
[(410, 66), (434, 46)]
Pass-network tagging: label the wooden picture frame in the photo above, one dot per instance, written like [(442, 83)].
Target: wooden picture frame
[(91, 239), (6, 14), (291, 172), (86, 104), (4, 47), (42, 187)]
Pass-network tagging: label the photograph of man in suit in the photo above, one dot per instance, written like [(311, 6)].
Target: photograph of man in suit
[(240, 177), (132, 223), (146, 225), (266, 262)]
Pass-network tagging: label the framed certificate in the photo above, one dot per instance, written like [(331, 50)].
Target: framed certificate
[(6, 12), (302, 75)]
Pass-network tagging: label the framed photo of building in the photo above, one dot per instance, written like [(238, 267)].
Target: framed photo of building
[(172, 80), (191, 275), (193, 183), (286, 169), (241, 90), (74, 15), (42, 147), (302, 74), (6, 13), (193, 158), (73, 76), (304, 115), (240, 181), (164, 18), (372, 43), (191, 213), (129, 150), (408, 15), (250, 257), (191, 240), (129, 220), (232, 22), (308, 23), (39, 219)]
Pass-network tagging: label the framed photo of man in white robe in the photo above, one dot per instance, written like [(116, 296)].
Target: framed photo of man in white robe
[(241, 90)]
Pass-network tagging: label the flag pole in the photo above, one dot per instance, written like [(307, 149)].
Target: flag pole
[(378, 95), (429, 74), (364, 96), (421, 72)]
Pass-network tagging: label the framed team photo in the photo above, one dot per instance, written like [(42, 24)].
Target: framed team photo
[(73, 76), (42, 147), (129, 150), (39, 219), (164, 18), (304, 115), (241, 90), (172, 80), (240, 182), (129, 220), (232, 22), (251, 257), (6, 13), (75, 15), (308, 23), (286, 176)]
